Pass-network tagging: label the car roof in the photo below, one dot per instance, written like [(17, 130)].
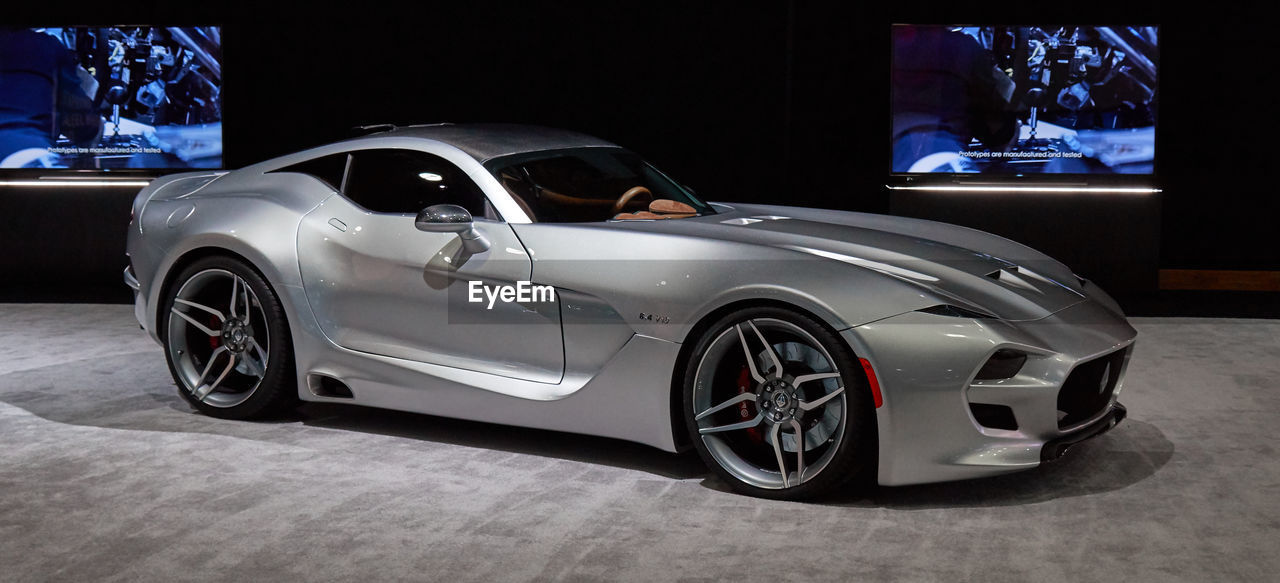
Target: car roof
[(486, 141)]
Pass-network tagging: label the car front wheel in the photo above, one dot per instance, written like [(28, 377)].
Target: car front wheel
[(777, 406)]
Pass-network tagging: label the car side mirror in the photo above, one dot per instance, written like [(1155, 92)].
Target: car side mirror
[(451, 218)]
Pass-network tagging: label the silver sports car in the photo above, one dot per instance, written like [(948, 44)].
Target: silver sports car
[(544, 278)]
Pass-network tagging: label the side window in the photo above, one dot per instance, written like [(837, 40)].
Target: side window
[(328, 169), (407, 181)]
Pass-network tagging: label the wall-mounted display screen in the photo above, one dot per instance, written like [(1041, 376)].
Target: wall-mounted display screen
[(1014, 100), (111, 97)]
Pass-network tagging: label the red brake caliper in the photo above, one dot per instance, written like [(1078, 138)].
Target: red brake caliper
[(744, 385), (214, 341)]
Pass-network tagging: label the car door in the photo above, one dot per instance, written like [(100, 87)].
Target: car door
[(379, 285)]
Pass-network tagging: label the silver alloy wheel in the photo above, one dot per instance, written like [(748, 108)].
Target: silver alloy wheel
[(783, 425), (218, 338)]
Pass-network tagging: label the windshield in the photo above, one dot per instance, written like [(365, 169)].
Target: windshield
[(592, 184)]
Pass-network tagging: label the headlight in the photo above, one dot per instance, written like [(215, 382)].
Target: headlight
[(954, 311), (1002, 365)]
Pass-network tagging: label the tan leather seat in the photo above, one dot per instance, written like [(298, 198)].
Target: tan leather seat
[(660, 209), (667, 206)]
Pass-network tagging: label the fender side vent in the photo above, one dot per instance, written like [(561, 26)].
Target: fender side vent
[(327, 386)]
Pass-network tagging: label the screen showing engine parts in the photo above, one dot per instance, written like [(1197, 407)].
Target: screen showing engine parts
[(1018, 100), (111, 97)]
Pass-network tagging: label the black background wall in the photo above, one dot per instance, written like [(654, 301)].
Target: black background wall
[(778, 101)]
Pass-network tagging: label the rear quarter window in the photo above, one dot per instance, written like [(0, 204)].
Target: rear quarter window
[(327, 169)]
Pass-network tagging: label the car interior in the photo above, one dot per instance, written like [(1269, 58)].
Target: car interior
[(592, 187)]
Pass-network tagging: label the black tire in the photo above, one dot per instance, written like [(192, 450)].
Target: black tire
[(240, 393), (845, 450)]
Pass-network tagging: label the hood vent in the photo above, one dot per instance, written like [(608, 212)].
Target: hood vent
[(1009, 276), (1024, 279)]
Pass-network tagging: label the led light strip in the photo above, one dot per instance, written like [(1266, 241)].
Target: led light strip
[(976, 188), (74, 182)]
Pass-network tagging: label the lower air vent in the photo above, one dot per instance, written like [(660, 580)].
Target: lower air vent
[(994, 416), (327, 386)]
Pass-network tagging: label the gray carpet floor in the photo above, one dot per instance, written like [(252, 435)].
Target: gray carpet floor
[(107, 475)]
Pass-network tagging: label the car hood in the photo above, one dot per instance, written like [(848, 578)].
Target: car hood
[(962, 266)]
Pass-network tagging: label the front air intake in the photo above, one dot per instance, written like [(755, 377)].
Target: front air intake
[(1087, 390)]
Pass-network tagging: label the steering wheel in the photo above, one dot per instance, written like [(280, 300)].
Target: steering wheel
[(626, 197)]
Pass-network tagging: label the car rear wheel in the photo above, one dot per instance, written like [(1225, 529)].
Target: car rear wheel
[(227, 341), (777, 405)]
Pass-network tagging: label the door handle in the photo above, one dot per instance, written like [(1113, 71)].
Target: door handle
[(339, 225)]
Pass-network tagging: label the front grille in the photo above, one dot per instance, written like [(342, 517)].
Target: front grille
[(1088, 389)]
